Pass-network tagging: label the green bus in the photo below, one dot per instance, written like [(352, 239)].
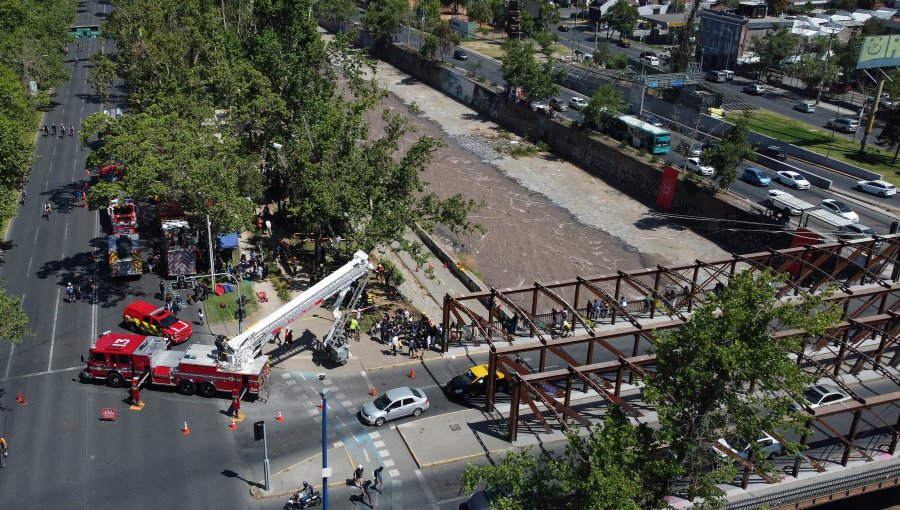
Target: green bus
[(640, 134)]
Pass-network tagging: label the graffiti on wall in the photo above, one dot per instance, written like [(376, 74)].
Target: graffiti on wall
[(457, 86)]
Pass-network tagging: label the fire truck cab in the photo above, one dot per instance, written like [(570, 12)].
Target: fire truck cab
[(143, 317), (118, 357)]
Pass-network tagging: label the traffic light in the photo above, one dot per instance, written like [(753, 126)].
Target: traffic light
[(259, 430)]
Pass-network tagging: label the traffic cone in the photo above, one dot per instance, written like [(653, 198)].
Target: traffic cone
[(185, 430), (233, 425), (85, 204), (412, 373), (279, 418), (21, 399), (374, 393)]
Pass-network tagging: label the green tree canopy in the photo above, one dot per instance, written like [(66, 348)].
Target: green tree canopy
[(604, 105), (520, 68), (384, 18), (622, 17), (733, 148), (774, 47), (725, 372)]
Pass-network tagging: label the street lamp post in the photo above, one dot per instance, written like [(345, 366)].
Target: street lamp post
[(825, 66), (728, 52), (326, 471)]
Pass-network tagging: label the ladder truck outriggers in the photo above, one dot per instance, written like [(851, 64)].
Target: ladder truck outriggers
[(232, 365)]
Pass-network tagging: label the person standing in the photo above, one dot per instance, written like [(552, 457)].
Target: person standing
[(162, 288), (289, 337), (358, 476), (367, 492), (269, 228), (379, 481), (200, 315)]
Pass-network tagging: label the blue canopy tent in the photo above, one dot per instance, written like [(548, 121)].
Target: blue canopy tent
[(227, 246)]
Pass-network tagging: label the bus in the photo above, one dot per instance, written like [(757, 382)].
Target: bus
[(640, 134)]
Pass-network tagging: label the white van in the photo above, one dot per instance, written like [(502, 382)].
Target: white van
[(846, 125), (729, 75), (716, 76)]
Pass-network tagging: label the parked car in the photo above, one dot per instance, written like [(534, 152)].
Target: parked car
[(881, 188), (841, 209), (393, 404), (650, 60), (480, 500), (716, 76), (693, 164), (773, 151), (741, 447), (690, 149), (558, 105), (622, 43), (563, 28), (820, 395), (578, 103), (855, 231), (648, 54), (846, 124), (756, 177), (792, 179), (754, 88), (460, 54), (805, 107)]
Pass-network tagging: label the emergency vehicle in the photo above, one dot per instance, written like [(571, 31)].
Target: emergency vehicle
[(123, 243), (232, 364), (179, 241), (117, 358), (154, 320)]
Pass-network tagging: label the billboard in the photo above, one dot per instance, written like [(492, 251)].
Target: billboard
[(879, 51)]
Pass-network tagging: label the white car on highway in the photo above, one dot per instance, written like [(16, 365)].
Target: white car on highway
[(820, 395), (578, 103), (841, 209), (792, 179), (878, 187), (741, 447), (693, 164)]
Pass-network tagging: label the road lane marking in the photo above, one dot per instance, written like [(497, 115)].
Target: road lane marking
[(48, 372), (66, 231), (53, 331), (36, 233), (366, 454), (12, 349), (426, 488), (28, 271)]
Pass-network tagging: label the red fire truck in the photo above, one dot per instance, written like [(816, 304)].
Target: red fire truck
[(119, 357)]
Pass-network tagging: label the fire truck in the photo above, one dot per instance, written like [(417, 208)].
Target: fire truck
[(230, 364), (179, 241), (118, 357), (123, 242)]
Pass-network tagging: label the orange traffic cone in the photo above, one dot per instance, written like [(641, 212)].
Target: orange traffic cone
[(85, 204), (412, 373), (233, 425), (185, 430), (373, 392), (279, 418), (21, 399)]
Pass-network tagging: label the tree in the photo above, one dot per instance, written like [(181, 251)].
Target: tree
[(724, 373), (14, 326), (622, 17), (733, 148), (683, 52), (521, 69), (479, 11), (845, 5), (815, 71), (103, 72), (776, 7), (873, 26), (605, 104), (338, 11), (384, 18), (890, 134), (774, 47), (615, 468)]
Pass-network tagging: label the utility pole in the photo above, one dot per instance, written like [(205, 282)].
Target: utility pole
[(824, 67), (875, 100), (326, 471)]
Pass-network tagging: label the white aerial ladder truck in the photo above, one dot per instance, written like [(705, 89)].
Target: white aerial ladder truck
[(350, 279)]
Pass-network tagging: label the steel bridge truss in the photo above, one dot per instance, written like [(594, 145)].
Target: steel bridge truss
[(864, 274)]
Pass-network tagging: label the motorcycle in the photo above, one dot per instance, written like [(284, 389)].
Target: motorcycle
[(304, 498)]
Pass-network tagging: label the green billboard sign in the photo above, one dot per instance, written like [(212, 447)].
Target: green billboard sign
[(879, 51)]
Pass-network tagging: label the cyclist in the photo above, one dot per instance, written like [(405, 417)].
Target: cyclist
[(71, 130), (54, 129), (23, 197), (62, 129)]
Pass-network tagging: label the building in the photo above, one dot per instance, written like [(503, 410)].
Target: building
[(721, 39)]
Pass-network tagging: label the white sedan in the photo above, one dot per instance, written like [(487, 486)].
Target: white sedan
[(792, 179), (693, 164), (741, 447), (578, 103), (881, 188), (841, 209)]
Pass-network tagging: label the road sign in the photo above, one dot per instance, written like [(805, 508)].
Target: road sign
[(652, 85), (879, 51)]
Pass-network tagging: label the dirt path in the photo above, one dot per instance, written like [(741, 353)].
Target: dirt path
[(545, 218)]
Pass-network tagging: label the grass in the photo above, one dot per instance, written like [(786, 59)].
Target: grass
[(215, 313), (817, 140), (493, 49)]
